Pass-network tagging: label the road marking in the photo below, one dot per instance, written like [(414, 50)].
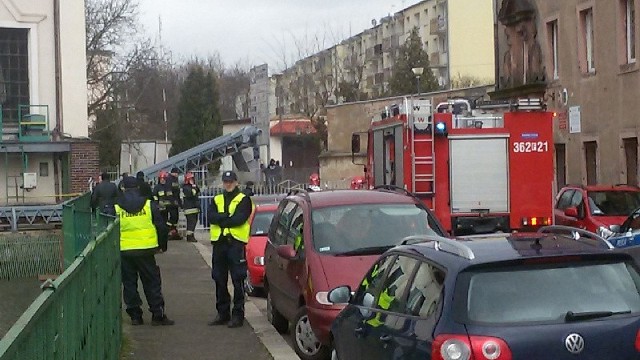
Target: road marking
[(270, 338)]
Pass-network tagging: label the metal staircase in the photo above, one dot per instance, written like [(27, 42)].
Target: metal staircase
[(203, 154)]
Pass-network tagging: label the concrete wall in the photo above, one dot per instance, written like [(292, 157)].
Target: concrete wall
[(470, 27)]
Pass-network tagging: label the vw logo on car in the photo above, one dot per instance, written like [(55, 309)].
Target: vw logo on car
[(574, 343)]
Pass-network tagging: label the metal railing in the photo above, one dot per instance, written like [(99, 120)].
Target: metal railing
[(78, 315)]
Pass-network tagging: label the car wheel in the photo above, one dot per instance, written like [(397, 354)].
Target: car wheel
[(305, 342), (275, 318), (249, 288)]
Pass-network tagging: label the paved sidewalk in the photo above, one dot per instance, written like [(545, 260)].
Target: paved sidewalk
[(189, 297)]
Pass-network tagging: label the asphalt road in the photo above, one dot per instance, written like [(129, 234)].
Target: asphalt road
[(15, 297)]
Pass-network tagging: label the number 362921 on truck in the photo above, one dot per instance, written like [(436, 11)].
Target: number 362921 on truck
[(480, 170)]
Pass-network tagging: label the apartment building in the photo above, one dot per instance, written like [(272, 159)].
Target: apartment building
[(44, 150), (584, 54), (457, 35)]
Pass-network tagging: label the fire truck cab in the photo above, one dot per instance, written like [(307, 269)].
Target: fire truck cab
[(480, 170)]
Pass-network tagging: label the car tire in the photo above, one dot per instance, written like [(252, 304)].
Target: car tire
[(275, 318), (249, 289), (305, 342)]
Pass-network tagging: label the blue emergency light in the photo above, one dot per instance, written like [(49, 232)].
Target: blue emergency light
[(441, 128)]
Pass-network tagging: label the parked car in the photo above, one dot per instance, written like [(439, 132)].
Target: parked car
[(595, 207), (555, 294), (254, 251), (319, 240)]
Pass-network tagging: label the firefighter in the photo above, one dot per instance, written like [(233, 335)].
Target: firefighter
[(142, 232), (174, 207), (357, 183), (191, 204), (314, 182), (229, 214), (162, 194)]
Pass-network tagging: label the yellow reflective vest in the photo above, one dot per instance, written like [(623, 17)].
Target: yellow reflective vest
[(241, 232), (137, 231)]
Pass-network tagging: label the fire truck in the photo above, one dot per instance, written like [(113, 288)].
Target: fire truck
[(483, 169)]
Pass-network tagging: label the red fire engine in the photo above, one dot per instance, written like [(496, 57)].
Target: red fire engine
[(480, 170)]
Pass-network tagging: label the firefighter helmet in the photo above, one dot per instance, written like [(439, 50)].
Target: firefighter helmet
[(163, 175), (314, 179), (188, 177), (357, 183)]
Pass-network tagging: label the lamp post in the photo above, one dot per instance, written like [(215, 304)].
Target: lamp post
[(417, 71)]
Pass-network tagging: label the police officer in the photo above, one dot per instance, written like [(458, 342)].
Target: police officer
[(142, 232), (229, 217), (175, 204), (191, 204)]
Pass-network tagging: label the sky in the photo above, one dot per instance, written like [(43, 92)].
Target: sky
[(254, 32)]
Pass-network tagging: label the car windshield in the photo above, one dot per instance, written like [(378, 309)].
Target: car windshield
[(562, 291), (366, 228), (261, 222), (613, 202)]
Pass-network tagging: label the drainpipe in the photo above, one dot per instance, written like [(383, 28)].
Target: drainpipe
[(496, 50), (57, 131)]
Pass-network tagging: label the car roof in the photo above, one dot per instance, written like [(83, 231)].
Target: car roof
[(327, 198), (602, 187), (508, 247)]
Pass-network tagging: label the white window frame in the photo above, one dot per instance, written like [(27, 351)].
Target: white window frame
[(630, 31), (589, 39), (554, 48)]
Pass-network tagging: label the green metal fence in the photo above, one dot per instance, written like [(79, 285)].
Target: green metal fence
[(78, 315), (29, 256)]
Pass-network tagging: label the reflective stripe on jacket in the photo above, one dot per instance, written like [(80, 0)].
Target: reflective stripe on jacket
[(137, 231), (241, 232)]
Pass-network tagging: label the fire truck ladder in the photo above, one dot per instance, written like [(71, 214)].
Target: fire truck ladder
[(203, 154), (423, 161)]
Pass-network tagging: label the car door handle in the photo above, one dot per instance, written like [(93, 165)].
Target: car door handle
[(385, 338)]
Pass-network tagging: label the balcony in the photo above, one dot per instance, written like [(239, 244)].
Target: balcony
[(437, 60), (32, 125), (438, 26)]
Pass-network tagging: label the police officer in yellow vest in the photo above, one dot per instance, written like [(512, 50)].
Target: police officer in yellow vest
[(142, 231), (229, 214)]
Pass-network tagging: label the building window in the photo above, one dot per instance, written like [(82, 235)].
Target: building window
[(552, 31), (14, 71), (630, 30), (587, 37), (631, 159), (561, 165), (591, 161), (44, 169)]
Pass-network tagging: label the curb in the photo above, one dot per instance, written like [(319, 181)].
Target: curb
[(269, 337)]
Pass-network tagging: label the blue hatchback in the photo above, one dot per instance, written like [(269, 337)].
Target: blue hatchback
[(561, 293)]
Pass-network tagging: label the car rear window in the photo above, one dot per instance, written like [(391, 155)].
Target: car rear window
[(547, 292), (261, 222)]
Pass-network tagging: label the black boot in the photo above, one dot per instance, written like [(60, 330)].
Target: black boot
[(236, 322), (136, 321), (219, 320), (191, 238), (164, 320)]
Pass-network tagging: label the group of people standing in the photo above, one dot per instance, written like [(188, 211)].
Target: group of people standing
[(148, 218)]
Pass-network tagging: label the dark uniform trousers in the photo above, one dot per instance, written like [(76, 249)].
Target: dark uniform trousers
[(192, 221), (172, 220), (228, 256), (146, 266)]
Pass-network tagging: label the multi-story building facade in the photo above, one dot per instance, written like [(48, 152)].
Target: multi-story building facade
[(580, 55), (44, 149), (457, 35)]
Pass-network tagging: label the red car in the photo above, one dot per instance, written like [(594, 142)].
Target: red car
[(596, 207), (319, 240), (254, 251)]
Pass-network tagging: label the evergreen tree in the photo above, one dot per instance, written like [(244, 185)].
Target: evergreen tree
[(411, 55), (107, 132), (198, 114)]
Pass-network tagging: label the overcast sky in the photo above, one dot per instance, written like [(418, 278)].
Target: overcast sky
[(254, 31)]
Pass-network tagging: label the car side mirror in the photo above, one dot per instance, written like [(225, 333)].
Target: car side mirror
[(615, 228), (286, 252), (571, 211), (340, 295), (355, 143)]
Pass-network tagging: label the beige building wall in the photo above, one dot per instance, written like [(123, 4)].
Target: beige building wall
[(11, 191), (607, 97), (471, 50)]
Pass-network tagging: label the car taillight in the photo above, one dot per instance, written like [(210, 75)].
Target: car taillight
[(638, 341), (457, 347), (536, 221)]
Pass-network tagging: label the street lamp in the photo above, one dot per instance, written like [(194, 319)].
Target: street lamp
[(417, 71)]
